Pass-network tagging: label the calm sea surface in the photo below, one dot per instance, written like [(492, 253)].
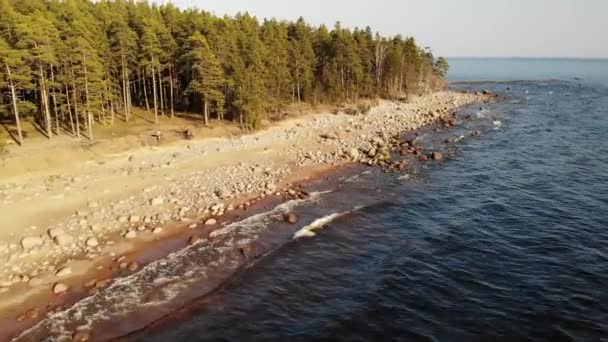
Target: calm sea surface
[(506, 240)]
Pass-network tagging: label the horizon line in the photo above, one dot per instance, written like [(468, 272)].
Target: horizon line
[(527, 57)]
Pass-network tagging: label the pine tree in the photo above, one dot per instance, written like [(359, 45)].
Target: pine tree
[(206, 75), (16, 76)]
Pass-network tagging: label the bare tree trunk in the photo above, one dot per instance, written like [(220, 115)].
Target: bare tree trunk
[(86, 92), (154, 95), (299, 98), (206, 113), (75, 104), (53, 96), (15, 108), (125, 88), (161, 92), (45, 103), (171, 83), (146, 92), (67, 96)]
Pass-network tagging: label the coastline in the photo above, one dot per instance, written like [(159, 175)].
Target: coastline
[(322, 146)]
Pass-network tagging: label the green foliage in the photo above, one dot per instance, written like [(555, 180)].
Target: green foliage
[(74, 57)]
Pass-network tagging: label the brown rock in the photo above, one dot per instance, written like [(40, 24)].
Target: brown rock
[(291, 218), (437, 156), (81, 336), (59, 288), (32, 313), (133, 266), (194, 240), (102, 283)]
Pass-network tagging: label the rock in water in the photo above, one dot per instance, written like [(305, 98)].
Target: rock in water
[(291, 218), (437, 156), (60, 288)]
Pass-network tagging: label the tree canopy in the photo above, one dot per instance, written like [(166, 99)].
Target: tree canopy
[(68, 65)]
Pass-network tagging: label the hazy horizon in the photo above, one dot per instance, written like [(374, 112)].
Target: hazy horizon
[(455, 29)]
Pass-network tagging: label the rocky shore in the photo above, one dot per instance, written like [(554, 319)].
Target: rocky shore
[(62, 228)]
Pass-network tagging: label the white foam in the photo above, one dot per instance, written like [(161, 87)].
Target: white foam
[(307, 231), (170, 276)]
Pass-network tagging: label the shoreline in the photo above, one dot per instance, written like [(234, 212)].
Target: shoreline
[(127, 257)]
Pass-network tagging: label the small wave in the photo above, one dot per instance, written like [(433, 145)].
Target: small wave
[(307, 231), (166, 278)]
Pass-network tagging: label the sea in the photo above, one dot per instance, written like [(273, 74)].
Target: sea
[(505, 239)]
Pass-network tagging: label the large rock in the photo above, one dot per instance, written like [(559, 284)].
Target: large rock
[(55, 231), (31, 242), (59, 288), (291, 218), (92, 242), (353, 153), (63, 240), (157, 201), (437, 156)]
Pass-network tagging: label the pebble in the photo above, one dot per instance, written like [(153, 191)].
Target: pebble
[(134, 219), (157, 230), (131, 234), (210, 222)]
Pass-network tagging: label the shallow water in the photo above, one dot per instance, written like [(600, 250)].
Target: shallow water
[(506, 239)]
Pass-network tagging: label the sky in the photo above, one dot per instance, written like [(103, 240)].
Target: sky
[(453, 28)]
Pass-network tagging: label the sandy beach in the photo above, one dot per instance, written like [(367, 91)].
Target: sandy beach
[(75, 225)]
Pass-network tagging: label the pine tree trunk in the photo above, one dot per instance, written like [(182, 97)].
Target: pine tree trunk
[(112, 113), (75, 105), (206, 113), (45, 103), (171, 83), (54, 97), (86, 92), (146, 92), (125, 88), (15, 108), (67, 97), (154, 95), (299, 98), (161, 93)]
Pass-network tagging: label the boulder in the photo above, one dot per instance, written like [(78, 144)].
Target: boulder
[(63, 239), (92, 242), (63, 272), (353, 153), (59, 288), (437, 156), (157, 201), (31, 242), (291, 218)]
